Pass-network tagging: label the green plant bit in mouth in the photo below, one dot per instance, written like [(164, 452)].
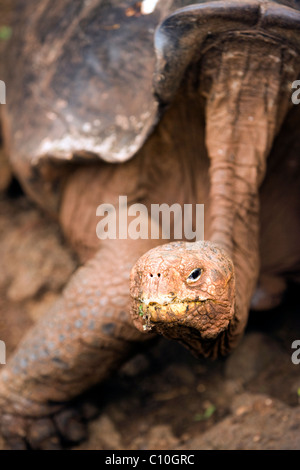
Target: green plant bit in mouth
[(146, 316)]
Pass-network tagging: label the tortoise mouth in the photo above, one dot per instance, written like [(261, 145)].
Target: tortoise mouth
[(188, 321), (174, 301), (180, 312), (202, 318)]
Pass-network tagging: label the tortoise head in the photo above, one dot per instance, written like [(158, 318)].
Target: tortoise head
[(184, 291)]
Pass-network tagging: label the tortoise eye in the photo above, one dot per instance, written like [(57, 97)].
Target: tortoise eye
[(194, 275)]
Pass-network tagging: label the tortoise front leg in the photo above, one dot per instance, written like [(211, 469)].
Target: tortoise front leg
[(79, 342)]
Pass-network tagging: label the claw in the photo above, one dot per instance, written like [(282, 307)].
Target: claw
[(12, 426), (13, 430), (69, 425), (16, 443), (52, 443), (40, 431)]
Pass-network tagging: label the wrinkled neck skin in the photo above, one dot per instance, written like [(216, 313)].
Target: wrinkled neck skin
[(246, 102)]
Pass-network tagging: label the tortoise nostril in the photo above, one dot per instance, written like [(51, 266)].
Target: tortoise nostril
[(151, 275), (158, 275)]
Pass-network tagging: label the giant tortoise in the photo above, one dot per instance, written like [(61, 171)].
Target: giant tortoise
[(171, 104)]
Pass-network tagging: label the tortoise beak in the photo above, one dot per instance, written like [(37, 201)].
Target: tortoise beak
[(161, 300)]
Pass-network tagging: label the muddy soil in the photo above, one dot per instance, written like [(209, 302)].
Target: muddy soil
[(163, 398)]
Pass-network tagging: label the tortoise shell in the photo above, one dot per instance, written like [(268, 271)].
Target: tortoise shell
[(83, 88)]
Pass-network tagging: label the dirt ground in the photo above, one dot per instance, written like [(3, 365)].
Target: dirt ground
[(163, 398)]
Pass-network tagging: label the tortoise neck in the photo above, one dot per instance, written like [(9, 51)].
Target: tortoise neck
[(247, 101)]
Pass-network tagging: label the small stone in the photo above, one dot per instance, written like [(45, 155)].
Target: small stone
[(159, 437), (180, 374), (135, 366), (201, 388), (103, 435), (241, 411)]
